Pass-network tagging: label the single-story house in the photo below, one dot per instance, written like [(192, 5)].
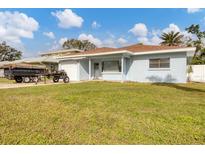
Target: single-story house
[(139, 63)]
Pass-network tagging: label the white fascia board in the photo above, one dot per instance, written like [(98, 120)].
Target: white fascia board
[(191, 49), (97, 54), (110, 53), (70, 58)]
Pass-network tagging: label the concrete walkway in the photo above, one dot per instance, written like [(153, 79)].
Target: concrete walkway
[(20, 85)]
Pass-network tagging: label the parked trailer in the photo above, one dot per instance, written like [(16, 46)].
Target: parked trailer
[(32, 73)]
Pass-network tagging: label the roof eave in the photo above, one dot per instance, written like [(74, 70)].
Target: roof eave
[(189, 49), (97, 54)]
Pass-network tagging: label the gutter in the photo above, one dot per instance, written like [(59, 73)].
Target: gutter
[(191, 49), (98, 54)]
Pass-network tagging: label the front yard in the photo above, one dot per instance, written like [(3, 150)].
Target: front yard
[(103, 113)]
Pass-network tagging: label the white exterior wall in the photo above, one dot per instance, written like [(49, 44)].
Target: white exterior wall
[(139, 69), (84, 69), (198, 74), (71, 67), (1, 72)]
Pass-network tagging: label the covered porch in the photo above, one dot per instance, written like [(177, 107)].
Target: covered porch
[(113, 68)]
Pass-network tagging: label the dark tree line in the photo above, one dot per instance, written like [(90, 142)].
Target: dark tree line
[(78, 44), (8, 53)]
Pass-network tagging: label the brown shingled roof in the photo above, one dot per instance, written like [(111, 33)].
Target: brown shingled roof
[(143, 48), (100, 50), (131, 48)]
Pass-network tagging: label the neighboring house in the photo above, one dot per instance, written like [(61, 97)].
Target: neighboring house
[(59, 53), (139, 63)]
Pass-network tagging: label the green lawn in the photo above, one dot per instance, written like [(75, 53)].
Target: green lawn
[(4, 80), (103, 113)]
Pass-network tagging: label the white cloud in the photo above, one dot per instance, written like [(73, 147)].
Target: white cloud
[(172, 27), (143, 40), (139, 29), (110, 42), (122, 41), (95, 25), (110, 35), (156, 32), (155, 40), (49, 35), (68, 19), (55, 45), (16, 25), (62, 40), (153, 37), (193, 10), (90, 38)]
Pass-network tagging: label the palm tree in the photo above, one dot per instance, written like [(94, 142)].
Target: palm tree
[(172, 39)]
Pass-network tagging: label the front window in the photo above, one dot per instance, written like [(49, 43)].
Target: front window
[(159, 63), (111, 66)]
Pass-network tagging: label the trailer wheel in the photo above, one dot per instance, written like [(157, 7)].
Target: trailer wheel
[(26, 79), (66, 79), (18, 79), (55, 79)]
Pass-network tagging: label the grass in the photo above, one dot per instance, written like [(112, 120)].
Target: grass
[(4, 80), (104, 113)]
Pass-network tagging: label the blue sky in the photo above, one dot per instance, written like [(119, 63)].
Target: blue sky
[(39, 30)]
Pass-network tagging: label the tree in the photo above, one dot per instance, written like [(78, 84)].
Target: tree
[(200, 35), (199, 55), (172, 39), (78, 44), (8, 53)]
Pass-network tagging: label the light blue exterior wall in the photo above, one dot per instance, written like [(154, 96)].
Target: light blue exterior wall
[(109, 76), (139, 70), (136, 68), (112, 76)]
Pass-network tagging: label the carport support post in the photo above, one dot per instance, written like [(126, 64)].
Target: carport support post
[(89, 69)]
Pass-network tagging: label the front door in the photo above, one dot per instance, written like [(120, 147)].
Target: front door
[(96, 70)]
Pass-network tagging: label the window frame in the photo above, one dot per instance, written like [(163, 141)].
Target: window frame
[(159, 62), (115, 71)]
